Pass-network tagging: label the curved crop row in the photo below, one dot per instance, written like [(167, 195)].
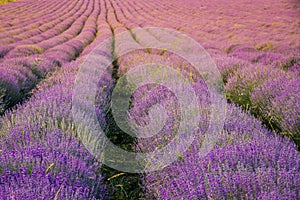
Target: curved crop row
[(15, 85), (269, 88), (10, 10), (37, 11), (27, 37), (46, 156), (19, 76), (40, 28), (72, 48), (58, 38), (238, 167), (268, 58), (192, 177), (40, 17), (103, 30)]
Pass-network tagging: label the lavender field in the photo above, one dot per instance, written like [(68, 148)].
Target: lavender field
[(209, 91)]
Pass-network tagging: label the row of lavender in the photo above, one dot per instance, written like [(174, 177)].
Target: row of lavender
[(269, 87), (35, 48), (41, 43), (269, 84), (36, 25), (40, 147), (19, 76), (248, 161), (232, 26), (41, 156), (39, 50), (50, 161), (261, 77), (35, 45)]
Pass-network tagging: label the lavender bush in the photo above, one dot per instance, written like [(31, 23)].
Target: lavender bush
[(272, 95), (242, 83), (47, 165), (272, 58), (39, 145), (239, 167), (229, 65), (19, 76), (277, 101)]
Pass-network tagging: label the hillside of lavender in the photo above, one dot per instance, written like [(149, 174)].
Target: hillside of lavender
[(254, 45)]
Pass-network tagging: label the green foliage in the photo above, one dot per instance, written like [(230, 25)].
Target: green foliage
[(6, 1), (121, 185), (2, 94), (265, 47)]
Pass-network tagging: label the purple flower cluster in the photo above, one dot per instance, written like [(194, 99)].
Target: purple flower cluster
[(271, 93), (40, 147), (37, 164), (247, 162), (242, 83), (229, 65), (239, 166), (285, 58), (39, 185), (142, 101), (267, 58), (277, 101), (295, 69), (19, 76)]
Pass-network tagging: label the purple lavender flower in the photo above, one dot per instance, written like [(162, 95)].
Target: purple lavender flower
[(48, 164), (239, 166), (242, 83), (40, 147)]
